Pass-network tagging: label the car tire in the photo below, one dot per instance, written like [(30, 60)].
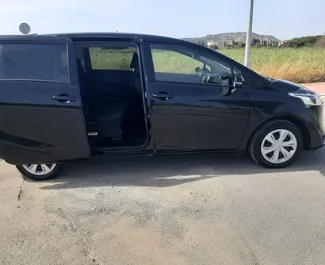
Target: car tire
[(276, 144), (36, 172)]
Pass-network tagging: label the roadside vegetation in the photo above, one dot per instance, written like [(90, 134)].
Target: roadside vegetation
[(300, 65), (300, 60)]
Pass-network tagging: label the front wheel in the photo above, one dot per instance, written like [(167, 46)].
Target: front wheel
[(277, 144), (40, 172)]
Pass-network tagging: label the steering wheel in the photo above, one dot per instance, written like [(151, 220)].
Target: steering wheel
[(217, 78), (205, 77)]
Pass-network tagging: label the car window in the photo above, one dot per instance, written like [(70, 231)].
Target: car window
[(107, 58), (46, 62), (182, 64), (169, 61)]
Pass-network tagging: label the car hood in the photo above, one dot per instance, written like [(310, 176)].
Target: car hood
[(287, 86)]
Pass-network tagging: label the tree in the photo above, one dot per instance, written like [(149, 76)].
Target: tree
[(202, 43), (214, 47), (321, 42), (265, 43), (255, 41), (307, 41)]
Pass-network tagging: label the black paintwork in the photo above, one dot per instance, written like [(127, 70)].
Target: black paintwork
[(33, 126), (272, 102), (195, 118)]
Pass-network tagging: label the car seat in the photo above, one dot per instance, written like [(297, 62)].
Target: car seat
[(108, 113)]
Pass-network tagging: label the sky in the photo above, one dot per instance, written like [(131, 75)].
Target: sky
[(284, 19)]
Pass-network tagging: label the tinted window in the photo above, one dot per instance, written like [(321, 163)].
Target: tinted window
[(182, 64), (118, 58), (45, 62)]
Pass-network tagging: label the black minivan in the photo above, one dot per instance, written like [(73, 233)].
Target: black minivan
[(66, 97)]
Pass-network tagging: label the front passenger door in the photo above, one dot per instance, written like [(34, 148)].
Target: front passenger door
[(191, 104)]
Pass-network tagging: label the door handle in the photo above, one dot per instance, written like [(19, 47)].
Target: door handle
[(162, 96), (64, 98)]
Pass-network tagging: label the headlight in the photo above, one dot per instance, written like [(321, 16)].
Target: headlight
[(308, 98)]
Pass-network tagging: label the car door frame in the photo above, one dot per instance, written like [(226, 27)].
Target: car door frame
[(27, 148), (146, 147)]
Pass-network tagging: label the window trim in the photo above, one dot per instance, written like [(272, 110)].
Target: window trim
[(203, 51), (189, 83), (106, 43), (68, 81)]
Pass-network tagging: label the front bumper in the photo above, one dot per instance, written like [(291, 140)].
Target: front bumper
[(318, 145), (316, 126)]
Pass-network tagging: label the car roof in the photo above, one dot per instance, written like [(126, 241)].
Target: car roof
[(91, 36), (117, 35)]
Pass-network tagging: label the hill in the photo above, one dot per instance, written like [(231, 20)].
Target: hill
[(228, 38)]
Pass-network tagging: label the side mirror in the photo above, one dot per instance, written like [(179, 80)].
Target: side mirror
[(238, 81), (199, 70)]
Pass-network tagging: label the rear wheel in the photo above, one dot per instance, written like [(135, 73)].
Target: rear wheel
[(40, 172), (277, 144)]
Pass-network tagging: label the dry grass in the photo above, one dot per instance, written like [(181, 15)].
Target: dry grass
[(111, 59), (302, 65), (297, 65)]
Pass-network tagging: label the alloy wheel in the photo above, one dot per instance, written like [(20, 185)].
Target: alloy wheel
[(39, 169)]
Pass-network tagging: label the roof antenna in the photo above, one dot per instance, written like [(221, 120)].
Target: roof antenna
[(24, 28)]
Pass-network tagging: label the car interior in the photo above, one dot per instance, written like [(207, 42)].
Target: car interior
[(112, 95)]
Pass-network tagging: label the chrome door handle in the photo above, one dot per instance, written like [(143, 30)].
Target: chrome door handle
[(162, 96), (64, 98)]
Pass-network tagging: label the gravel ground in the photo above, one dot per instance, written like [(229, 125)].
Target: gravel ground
[(204, 210)]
